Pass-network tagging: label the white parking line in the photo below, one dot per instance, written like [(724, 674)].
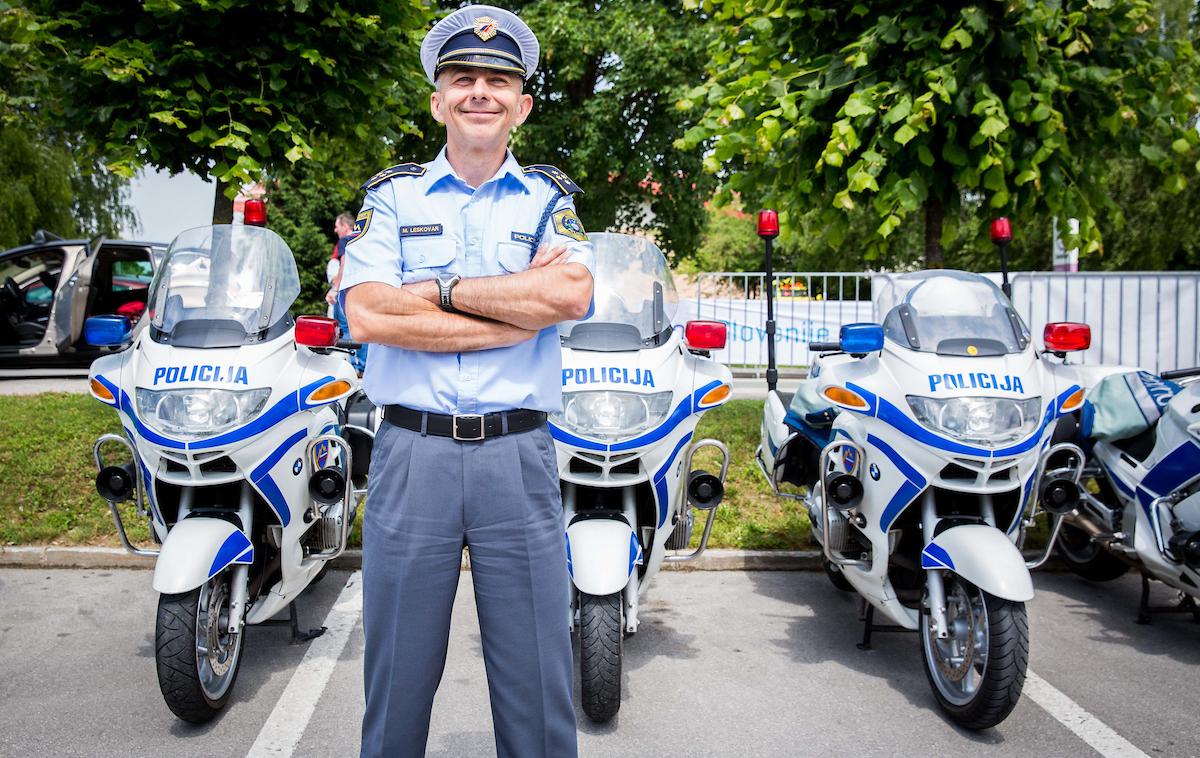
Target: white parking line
[(1087, 727), (284, 728)]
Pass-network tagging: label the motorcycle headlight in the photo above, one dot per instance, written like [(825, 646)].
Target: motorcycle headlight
[(199, 413), (606, 414), (988, 420)]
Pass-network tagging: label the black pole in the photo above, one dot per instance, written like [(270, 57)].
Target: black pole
[(1004, 285), (772, 373)]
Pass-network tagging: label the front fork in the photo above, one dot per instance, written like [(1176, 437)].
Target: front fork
[(934, 586)]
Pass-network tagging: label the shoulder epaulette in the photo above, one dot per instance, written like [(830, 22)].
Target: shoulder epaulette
[(402, 169), (558, 178)]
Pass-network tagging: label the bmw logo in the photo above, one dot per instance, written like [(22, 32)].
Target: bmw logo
[(297, 467), (874, 472)]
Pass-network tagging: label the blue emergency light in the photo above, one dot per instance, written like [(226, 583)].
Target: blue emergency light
[(858, 339), (106, 331)]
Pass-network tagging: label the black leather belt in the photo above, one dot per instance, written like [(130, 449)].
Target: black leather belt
[(470, 427)]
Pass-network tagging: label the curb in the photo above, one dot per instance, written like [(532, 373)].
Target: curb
[(53, 557)]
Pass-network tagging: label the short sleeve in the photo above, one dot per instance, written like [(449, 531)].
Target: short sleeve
[(565, 229), (373, 248)]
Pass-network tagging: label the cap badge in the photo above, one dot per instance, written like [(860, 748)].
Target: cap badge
[(485, 27)]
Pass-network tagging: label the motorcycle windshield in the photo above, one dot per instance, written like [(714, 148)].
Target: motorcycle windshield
[(221, 286), (634, 297), (950, 313)]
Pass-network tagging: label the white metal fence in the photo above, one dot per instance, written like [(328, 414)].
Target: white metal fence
[(1147, 320)]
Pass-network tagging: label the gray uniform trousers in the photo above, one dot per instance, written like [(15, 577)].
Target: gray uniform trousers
[(427, 497)]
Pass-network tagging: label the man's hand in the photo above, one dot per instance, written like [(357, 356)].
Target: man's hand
[(549, 256), (331, 297)]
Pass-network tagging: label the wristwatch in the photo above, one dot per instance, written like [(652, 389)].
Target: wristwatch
[(445, 283)]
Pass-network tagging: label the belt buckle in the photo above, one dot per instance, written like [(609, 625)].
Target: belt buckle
[(469, 418)]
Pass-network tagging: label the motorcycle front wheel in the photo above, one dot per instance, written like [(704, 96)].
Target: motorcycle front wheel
[(196, 656), (600, 655), (977, 672)]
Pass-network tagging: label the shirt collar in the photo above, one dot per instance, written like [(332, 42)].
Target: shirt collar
[(440, 170)]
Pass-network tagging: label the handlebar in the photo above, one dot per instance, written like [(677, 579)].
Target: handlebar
[(348, 345), (825, 347), (1180, 373)]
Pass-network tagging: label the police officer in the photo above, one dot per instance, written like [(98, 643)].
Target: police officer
[(457, 272)]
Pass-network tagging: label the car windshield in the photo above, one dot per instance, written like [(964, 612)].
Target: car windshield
[(227, 275), (950, 313), (634, 296)]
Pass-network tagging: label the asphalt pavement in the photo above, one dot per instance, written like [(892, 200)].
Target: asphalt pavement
[(725, 664)]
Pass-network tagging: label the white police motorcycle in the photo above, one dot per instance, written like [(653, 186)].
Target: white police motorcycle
[(634, 388), (237, 447), (921, 442), (1144, 432)]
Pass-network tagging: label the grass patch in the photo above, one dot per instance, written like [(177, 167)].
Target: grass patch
[(51, 498)]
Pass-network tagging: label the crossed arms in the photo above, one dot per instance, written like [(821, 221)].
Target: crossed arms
[(496, 311)]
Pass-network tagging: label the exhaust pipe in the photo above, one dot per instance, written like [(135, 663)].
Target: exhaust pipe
[(1060, 496), (116, 483), (705, 490), (327, 486), (844, 490)]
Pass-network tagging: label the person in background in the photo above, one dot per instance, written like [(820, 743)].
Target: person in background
[(343, 227)]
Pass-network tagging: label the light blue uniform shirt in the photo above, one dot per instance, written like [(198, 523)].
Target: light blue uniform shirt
[(415, 227)]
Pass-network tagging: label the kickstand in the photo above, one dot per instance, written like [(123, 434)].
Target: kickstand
[(294, 622), (1185, 605), (869, 626)]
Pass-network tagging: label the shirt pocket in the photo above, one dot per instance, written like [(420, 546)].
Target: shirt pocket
[(426, 258), (514, 256)]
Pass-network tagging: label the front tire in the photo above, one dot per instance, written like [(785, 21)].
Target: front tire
[(600, 655), (977, 673), (836, 577), (1087, 559), (196, 657)]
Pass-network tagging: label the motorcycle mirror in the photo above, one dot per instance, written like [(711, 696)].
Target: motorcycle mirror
[(1067, 337), (705, 335), (316, 331), (106, 331), (860, 339)]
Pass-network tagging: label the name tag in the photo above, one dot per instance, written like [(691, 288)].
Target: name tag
[(523, 237), (426, 230)]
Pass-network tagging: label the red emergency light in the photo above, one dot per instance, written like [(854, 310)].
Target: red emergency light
[(1001, 231), (316, 331), (1067, 337), (705, 335), (768, 224), (254, 213)]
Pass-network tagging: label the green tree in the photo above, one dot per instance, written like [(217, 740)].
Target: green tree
[(230, 88), (892, 109), (604, 111)]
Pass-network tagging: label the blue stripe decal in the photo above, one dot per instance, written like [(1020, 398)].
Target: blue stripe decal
[(147, 481), (904, 466), (685, 408), (260, 476), (235, 549), (635, 552), (901, 500), (1174, 470), (660, 480), (935, 556), (570, 566), (1021, 506)]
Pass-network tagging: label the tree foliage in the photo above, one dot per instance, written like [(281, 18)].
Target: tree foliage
[(604, 111), (881, 110), (228, 88)]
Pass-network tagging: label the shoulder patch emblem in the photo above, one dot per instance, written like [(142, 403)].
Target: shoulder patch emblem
[(568, 224), (402, 169), (557, 177), (361, 224)]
